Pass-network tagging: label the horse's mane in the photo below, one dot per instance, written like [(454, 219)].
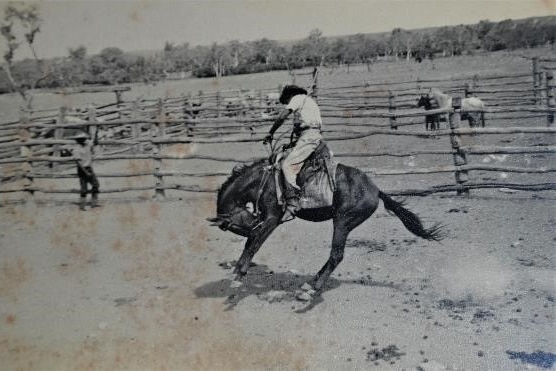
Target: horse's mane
[(238, 171)]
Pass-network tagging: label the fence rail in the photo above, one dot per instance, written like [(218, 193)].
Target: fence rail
[(144, 129)]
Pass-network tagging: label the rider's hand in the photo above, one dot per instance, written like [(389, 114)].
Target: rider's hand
[(267, 139)]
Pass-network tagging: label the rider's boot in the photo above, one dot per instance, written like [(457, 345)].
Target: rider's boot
[(292, 203)]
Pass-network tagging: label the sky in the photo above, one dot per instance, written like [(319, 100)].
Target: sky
[(147, 25)]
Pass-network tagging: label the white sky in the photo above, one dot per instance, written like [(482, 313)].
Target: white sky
[(139, 25)]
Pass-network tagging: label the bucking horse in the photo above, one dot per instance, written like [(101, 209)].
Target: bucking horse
[(248, 204)]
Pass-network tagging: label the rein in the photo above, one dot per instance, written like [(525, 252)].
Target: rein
[(265, 178)]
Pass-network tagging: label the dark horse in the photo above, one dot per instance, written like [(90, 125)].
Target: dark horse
[(431, 121), (355, 199)]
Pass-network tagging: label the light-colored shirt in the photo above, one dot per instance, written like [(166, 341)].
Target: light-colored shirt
[(84, 153), (306, 112)]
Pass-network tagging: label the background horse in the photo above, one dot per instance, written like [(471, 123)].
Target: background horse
[(431, 121), (355, 199), (472, 107)]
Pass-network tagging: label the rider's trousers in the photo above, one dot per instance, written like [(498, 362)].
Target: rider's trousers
[(306, 144)]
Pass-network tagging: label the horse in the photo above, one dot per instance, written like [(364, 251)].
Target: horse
[(431, 121), (247, 205), (472, 107)]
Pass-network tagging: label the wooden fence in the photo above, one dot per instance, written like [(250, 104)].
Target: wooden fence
[(146, 129)]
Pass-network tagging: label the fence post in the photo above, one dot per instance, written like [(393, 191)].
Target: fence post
[(26, 167), (218, 103), (367, 95), (58, 134), (190, 116), (550, 100), (136, 127), (469, 91), (315, 86), (92, 119), (118, 102), (459, 156), (200, 97), (392, 110), (160, 133), (536, 80)]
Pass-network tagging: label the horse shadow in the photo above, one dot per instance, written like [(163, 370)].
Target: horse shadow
[(273, 287), (265, 284)]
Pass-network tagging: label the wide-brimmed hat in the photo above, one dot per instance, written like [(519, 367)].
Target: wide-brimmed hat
[(290, 91), (81, 135)]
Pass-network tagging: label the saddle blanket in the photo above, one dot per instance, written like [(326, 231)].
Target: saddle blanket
[(317, 179)]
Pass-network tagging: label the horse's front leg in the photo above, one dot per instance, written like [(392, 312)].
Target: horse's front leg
[(253, 244)]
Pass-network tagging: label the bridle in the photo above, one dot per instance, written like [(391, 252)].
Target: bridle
[(225, 221)]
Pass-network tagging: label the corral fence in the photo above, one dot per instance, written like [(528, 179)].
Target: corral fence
[(148, 130)]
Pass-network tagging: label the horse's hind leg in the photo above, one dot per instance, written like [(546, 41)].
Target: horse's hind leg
[(342, 227), (336, 256)]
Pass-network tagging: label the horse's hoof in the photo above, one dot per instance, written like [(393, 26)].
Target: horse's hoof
[(304, 296), (235, 284), (306, 287)]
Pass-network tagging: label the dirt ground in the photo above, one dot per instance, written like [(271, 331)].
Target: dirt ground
[(145, 286)]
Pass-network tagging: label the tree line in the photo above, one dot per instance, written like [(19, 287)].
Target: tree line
[(114, 66)]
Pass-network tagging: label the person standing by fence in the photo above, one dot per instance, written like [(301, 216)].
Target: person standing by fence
[(83, 155)]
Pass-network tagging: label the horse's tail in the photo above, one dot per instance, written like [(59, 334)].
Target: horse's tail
[(410, 220)]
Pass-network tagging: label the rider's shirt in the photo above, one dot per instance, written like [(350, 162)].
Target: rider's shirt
[(306, 112)]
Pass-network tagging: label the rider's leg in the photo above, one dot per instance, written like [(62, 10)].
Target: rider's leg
[(291, 166)]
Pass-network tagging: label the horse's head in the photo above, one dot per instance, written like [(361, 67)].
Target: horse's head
[(237, 198), (424, 101)]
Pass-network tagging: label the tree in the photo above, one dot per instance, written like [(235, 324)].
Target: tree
[(498, 36), (316, 47), (338, 51), (236, 51), (401, 42), (218, 58), (264, 51), (20, 25), (77, 54)]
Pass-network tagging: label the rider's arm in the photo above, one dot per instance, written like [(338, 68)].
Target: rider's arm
[(280, 120)]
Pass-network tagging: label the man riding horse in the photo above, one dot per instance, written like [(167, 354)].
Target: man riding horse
[(307, 127), (353, 196)]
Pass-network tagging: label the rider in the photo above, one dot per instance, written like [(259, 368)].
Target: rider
[(307, 126)]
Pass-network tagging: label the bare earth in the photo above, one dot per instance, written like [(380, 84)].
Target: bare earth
[(145, 286)]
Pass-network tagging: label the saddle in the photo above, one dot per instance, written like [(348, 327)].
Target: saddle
[(317, 178)]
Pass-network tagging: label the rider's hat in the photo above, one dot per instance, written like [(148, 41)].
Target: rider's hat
[(290, 91)]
